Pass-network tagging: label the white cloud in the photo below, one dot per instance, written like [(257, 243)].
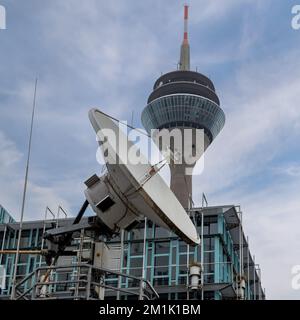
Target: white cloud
[(12, 170), (214, 10), (262, 109), (8, 153), (272, 218), (289, 170)]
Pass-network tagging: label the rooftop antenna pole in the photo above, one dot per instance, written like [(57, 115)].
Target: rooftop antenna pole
[(248, 270), (121, 264), (204, 202), (13, 291), (202, 254), (132, 117), (254, 279)]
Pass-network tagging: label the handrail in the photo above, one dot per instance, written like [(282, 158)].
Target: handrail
[(25, 279), (37, 283)]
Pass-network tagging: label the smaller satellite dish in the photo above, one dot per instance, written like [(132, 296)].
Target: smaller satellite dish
[(128, 192)]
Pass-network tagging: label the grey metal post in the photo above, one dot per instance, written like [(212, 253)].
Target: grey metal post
[(202, 255), (88, 287), (121, 264), (142, 284), (254, 278), (58, 211), (13, 291), (248, 271), (259, 288), (44, 229), (79, 262), (187, 270), (141, 290), (188, 251), (3, 242), (241, 251), (242, 245), (144, 249), (33, 293)]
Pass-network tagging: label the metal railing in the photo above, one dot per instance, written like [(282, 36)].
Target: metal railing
[(81, 285)]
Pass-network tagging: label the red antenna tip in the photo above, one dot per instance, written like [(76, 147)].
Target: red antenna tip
[(186, 12)]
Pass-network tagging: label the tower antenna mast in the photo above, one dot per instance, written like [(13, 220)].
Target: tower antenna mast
[(184, 63)]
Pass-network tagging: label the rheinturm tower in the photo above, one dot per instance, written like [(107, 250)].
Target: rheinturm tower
[(184, 99)]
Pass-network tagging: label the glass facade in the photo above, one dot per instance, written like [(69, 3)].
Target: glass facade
[(5, 217), (30, 239), (184, 110), (168, 258), (162, 258)]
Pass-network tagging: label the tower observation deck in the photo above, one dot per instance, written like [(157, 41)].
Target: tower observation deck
[(184, 99)]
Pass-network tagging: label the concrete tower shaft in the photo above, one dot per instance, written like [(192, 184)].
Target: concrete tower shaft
[(181, 174)]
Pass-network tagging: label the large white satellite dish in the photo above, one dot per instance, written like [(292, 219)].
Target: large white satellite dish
[(130, 191)]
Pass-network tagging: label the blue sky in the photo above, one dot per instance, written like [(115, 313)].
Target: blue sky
[(108, 54)]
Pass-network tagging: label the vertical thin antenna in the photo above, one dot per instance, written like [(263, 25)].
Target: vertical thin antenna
[(202, 254), (132, 116), (121, 263), (144, 274), (184, 63), (254, 279), (248, 270), (186, 17), (13, 292)]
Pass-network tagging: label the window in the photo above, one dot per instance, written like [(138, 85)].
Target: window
[(182, 259), (31, 264), (161, 271), (25, 239), (209, 257), (138, 272), (182, 296), (137, 234), (209, 295), (209, 244), (137, 249), (23, 258), (173, 255), (21, 270), (136, 262), (208, 278), (161, 281), (33, 238), (182, 246), (173, 273), (1, 240), (161, 232), (162, 260), (182, 269), (210, 224), (162, 247), (136, 265)]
